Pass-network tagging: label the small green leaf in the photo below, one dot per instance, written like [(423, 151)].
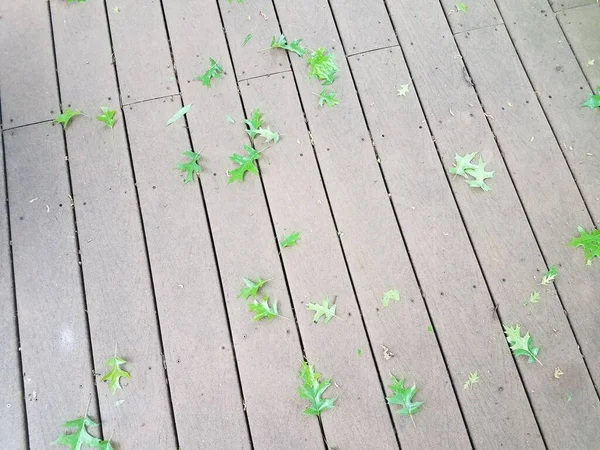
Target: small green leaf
[(252, 287), (390, 295), (312, 390), (461, 164), (403, 396), (480, 175), (403, 90), (359, 351), (246, 39), (473, 378), (229, 119), (328, 98), (262, 309), (289, 240), (322, 66), (191, 167), (214, 71), (179, 114), (293, 46), (429, 328), (80, 437), (590, 243), (270, 136), (114, 375), (534, 297), (521, 345), (254, 123), (593, 101), (322, 310), (66, 116), (107, 117), (461, 7), (549, 276), (246, 164)]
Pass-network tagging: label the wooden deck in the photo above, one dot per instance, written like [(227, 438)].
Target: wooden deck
[(103, 245)]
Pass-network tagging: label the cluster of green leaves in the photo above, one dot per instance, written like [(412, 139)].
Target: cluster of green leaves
[(255, 128), (312, 389), (214, 71), (322, 66), (293, 46), (191, 167), (289, 240), (593, 101), (81, 437), (322, 310), (245, 164), (474, 174), (521, 345), (403, 396), (327, 98), (590, 243), (107, 117)]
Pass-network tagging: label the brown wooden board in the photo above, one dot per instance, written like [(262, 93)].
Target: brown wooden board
[(13, 429), (316, 270), (202, 372), (256, 18), (581, 26), (561, 87), (375, 29), (118, 284), (27, 78), (558, 5), (480, 14), (141, 50), (268, 354), (57, 370), (554, 208)]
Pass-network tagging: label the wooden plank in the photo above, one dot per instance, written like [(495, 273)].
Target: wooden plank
[(480, 14), (198, 350), (554, 209), (558, 5), (27, 78), (50, 302), (373, 245), (268, 354), (375, 31), (562, 87), (141, 50), (13, 428), (315, 270), (258, 19), (111, 238), (581, 26)]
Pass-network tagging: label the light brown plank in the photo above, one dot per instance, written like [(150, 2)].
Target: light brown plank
[(115, 267), (558, 5), (55, 350), (141, 50), (315, 270), (480, 14), (202, 372), (581, 26), (268, 354), (13, 429), (27, 78), (561, 86), (554, 208)]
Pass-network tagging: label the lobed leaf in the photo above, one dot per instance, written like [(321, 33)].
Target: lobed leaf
[(214, 71), (246, 164), (593, 100), (403, 396), (79, 438), (191, 167), (322, 310), (262, 309), (327, 98), (521, 345), (252, 287), (107, 117), (390, 295), (322, 66), (293, 46), (289, 240), (549, 276), (114, 375), (66, 116), (590, 243), (312, 389)]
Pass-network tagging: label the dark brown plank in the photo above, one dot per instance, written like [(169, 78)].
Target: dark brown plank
[(55, 350), (561, 87), (480, 14), (115, 267), (141, 50), (558, 5), (554, 208), (581, 26), (315, 270), (27, 78), (268, 354), (13, 430), (198, 351)]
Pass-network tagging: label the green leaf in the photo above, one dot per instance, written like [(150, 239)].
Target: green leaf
[(403, 396), (549, 276), (75, 1), (246, 164), (270, 136), (252, 287), (534, 297), (312, 389), (430, 328), (80, 437), (246, 39), (358, 351), (392, 294), (107, 117), (590, 243), (462, 163), (114, 375), (322, 310), (327, 98), (461, 7), (521, 345), (593, 101), (214, 71), (229, 119), (322, 66), (480, 175), (66, 116), (403, 90), (179, 114), (293, 46), (262, 310), (473, 378), (254, 123), (289, 240), (191, 167)]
